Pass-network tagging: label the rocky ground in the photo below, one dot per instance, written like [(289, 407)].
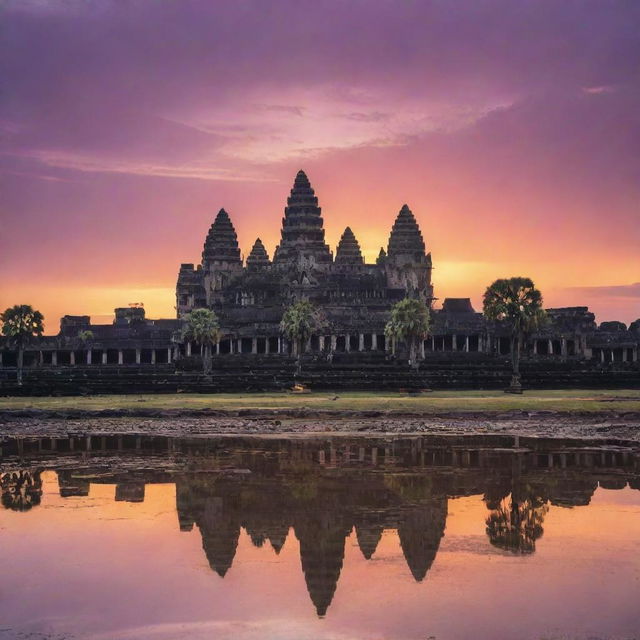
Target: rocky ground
[(600, 425)]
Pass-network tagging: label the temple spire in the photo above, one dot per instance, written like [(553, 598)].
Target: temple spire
[(406, 238), (348, 251), (258, 257), (221, 244), (302, 234)]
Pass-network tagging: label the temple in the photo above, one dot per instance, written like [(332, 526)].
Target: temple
[(355, 297), (249, 296)]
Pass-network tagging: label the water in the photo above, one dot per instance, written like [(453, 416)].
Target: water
[(333, 538)]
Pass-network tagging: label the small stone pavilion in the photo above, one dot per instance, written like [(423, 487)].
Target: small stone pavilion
[(250, 297)]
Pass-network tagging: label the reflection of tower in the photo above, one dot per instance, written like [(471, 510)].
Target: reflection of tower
[(262, 528), (321, 553), (220, 531), (212, 505), (420, 530), (368, 533)]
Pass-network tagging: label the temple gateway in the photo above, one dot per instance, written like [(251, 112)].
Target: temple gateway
[(250, 296)]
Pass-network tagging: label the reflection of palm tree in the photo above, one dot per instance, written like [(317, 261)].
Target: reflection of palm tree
[(21, 490), (516, 525)]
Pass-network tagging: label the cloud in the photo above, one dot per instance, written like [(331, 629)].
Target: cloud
[(618, 291)]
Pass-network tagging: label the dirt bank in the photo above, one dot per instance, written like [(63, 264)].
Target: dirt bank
[(189, 422)]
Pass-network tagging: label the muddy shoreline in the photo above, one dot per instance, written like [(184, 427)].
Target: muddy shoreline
[(203, 422)]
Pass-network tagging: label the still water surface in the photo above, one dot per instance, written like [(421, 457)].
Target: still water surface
[(330, 538)]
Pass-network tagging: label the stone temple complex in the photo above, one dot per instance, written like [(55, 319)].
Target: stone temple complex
[(463, 350), (354, 297)]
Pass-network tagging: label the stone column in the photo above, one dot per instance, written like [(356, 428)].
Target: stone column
[(279, 344), (104, 356), (72, 357), (266, 346), (374, 342), (239, 345), (334, 342), (422, 354), (347, 342), (361, 342), (218, 348), (254, 345), (321, 343), (120, 356), (563, 348), (188, 345), (138, 356), (602, 355), (54, 358), (169, 358), (535, 347), (433, 343), (88, 356), (635, 355), (466, 344), (153, 356), (454, 341), (550, 348), (624, 354)]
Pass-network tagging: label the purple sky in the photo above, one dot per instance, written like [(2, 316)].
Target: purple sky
[(512, 130)]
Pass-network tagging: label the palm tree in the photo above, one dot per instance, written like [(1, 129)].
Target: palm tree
[(410, 322), (517, 303), (21, 490), (299, 322), (202, 327), (20, 324), (515, 525)]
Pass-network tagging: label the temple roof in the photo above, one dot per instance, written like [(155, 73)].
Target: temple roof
[(348, 251), (258, 257), (221, 243), (405, 237), (457, 305)]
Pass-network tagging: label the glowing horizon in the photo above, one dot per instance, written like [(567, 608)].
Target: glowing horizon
[(517, 156)]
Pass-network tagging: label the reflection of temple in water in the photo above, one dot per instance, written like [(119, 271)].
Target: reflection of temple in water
[(323, 489)]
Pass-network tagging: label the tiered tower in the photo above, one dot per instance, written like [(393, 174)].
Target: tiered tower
[(221, 260), (408, 267), (302, 242), (258, 257), (348, 252)]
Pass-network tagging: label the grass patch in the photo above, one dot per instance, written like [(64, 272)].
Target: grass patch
[(436, 402)]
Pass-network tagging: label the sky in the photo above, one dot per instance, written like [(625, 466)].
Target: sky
[(511, 129)]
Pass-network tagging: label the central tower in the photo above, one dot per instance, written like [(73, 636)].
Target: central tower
[(302, 244)]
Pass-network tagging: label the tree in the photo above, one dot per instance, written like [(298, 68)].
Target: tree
[(21, 490), (410, 321), (299, 322), (20, 324), (518, 304), (515, 525), (202, 327)]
